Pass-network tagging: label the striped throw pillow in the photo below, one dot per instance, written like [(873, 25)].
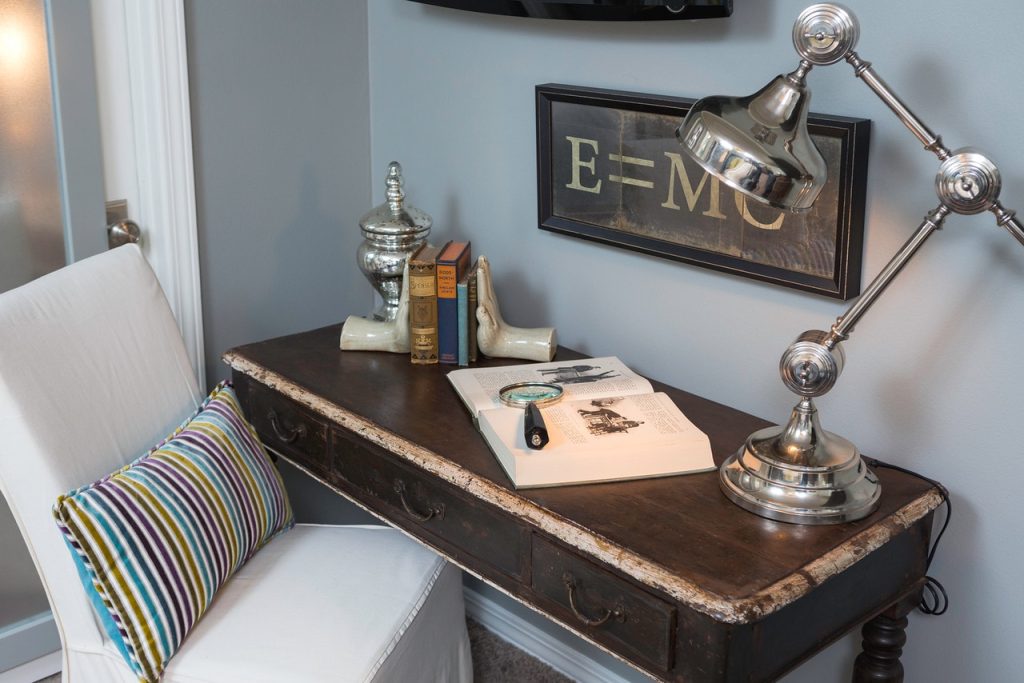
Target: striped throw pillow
[(155, 540)]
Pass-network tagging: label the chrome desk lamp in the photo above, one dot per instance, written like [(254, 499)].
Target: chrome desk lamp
[(760, 146)]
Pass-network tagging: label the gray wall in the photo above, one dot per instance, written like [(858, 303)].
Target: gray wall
[(280, 123), (932, 380)]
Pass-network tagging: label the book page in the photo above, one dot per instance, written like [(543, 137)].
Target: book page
[(585, 377), (599, 439)]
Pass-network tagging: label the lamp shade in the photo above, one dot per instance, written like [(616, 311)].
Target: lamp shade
[(759, 144)]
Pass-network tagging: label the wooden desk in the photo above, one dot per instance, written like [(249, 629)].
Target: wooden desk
[(665, 573)]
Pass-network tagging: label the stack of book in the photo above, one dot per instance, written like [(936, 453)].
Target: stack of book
[(442, 304)]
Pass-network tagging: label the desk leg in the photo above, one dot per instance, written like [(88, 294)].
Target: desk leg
[(884, 638)]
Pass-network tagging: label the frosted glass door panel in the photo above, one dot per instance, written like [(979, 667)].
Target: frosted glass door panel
[(31, 227), (31, 239), (51, 213)]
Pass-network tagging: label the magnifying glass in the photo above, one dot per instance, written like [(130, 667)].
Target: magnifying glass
[(532, 396)]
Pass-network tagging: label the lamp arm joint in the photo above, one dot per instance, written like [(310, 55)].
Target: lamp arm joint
[(835, 336), (798, 76), (1007, 218)]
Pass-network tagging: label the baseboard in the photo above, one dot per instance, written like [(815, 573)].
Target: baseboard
[(36, 670), (535, 642), (29, 650)]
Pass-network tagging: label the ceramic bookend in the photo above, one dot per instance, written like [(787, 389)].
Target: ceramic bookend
[(500, 340), (360, 334)]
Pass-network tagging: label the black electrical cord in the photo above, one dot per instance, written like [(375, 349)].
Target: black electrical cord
[(934, 600)]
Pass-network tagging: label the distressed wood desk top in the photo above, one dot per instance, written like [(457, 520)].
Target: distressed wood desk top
[(678, 537)]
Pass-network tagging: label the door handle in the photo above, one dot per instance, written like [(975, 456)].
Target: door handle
[(120, 228), (125, 232)]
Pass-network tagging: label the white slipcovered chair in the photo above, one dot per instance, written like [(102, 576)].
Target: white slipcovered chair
[(93, 372)]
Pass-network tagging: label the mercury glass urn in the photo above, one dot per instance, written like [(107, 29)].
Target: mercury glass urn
[(392, 232)]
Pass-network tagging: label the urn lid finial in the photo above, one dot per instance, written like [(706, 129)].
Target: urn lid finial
[(395, 193), (394, 217)]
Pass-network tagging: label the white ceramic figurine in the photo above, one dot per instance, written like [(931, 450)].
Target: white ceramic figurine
[(360, 334), (500, 340)]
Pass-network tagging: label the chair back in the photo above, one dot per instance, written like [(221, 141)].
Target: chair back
[(93, 372)]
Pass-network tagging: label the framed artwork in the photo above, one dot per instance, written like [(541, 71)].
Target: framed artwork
[(609, 169)]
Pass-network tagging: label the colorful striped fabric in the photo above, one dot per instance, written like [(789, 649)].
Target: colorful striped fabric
[(156, 539)]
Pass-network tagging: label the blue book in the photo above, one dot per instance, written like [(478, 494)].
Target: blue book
[(452, 264), (462, 294)]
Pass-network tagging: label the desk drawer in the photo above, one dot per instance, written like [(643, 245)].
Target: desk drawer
[(458, 524), (606, 607), (288, 428)]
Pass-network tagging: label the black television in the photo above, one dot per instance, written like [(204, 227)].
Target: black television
[(595, 10)]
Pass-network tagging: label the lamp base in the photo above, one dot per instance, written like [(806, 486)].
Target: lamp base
[(800, 473)]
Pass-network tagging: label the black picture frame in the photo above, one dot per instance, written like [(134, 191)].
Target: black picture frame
[(595, 10), (819, 251)]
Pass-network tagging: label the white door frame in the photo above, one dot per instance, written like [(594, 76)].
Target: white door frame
[(150, 34)]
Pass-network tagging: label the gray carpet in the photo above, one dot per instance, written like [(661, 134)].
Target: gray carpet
[(494, 661)]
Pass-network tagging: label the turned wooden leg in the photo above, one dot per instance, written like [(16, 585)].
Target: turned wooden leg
[(884, 638)]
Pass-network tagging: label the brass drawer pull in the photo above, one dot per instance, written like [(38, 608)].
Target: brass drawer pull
[(285, 434), (436, 511), (618, 613)]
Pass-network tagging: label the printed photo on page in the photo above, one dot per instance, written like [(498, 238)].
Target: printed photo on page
[(608, 376)]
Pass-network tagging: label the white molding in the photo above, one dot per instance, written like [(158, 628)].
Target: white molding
[(161, 115), (30, 638), (535, 642), (37, 669)]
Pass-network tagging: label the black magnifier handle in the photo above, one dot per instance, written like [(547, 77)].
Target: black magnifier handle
[(534, 429)]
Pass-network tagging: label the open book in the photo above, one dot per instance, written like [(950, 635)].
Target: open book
[(609, 425)]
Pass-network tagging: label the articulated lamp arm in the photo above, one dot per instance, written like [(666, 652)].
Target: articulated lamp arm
[(967, 182), (759, 145), (844, 325), (933, 143)]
